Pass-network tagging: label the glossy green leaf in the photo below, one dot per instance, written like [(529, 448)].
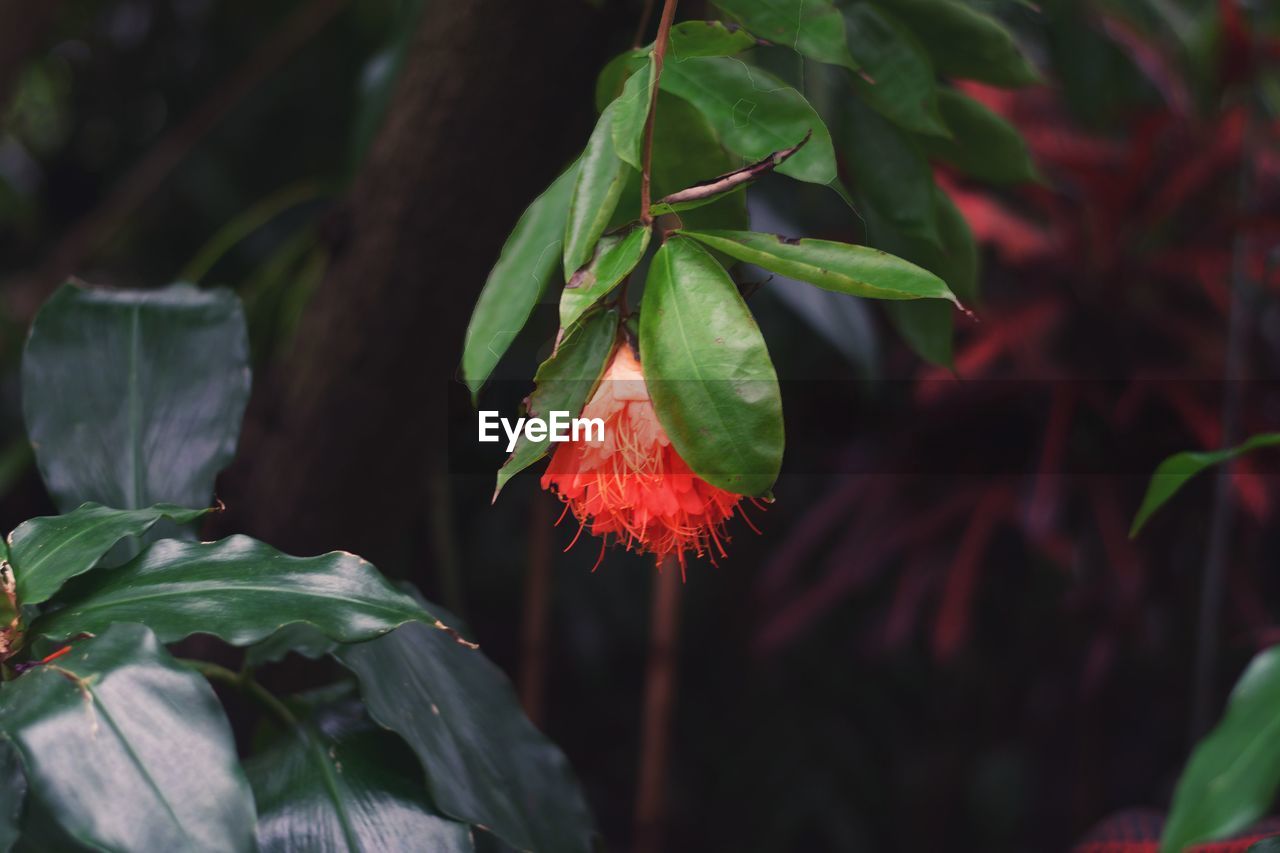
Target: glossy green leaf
[(601, 178), (128, 749), (337, 782), (964, 42), (486, 764), (754, 113), (1176, 471), (298, 638), (48, 551), (897, 77), (928, 327), (13, 794), (708, 371), (983, 145), (134, 398), (238, 589), (1231, 778), (707, 38), (516, 283), (564, 383), (630, 112), (813, 28), (842, 267), (616, 256), (889, 169), (614, 75)]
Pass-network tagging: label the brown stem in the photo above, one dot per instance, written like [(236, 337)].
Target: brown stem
[(659, 53), (659, 700), (537, 589)]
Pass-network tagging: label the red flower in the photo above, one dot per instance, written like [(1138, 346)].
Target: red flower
[(633, 486)]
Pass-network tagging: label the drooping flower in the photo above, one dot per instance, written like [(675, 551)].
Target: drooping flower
[(632, 487)]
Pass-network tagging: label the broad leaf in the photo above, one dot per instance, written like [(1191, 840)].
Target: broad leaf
[(889, 169), (46, 552), (708, 371), (706, 38), (984, 145), (965, 43), (897, 77), (631, 111), (600, 180), (298, 638), (517, 281), (134, 398), (128, 749), (486, 763), (238, 589), (754, 113), (1174, 473), (616, 256), (13, 794), (856, 270), (337, 782), (564, 383), (1231, 779), (814, 28)]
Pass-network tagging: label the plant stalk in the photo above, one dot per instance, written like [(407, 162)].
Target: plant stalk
[(245, 683), (659, 702), (659, 53)]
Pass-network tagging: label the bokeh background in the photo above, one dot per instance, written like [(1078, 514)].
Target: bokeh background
[(943, 638)]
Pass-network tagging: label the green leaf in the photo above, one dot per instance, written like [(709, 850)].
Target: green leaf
[(842, 267), (128, 749), (134, 398), (601, 178), (707, 38), (1174, 473), (964, 42), (517, 281), (813, 28), (616, 256), (298, 638), (889, 169), (564, 383), (615, 74), (928, 328), (337, 782), (708, 371), (13, 794), (1231, 779), (754, 113), (238, 589), (47, 552), (631, 112), (983, 145), (486, 763), (897, 77)]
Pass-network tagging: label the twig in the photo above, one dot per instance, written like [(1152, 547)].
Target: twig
[(537, 599), (150, 172), (244, 682), (659, 53), (659, 700)]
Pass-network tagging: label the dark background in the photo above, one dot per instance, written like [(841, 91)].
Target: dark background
[(943, 638)]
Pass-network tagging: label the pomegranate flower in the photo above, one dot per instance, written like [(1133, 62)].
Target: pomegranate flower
[(632, 487)]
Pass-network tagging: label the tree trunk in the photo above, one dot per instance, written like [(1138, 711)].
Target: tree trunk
[(342, 439)]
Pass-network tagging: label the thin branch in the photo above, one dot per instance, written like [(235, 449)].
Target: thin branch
[(659, 702), (156, 165), (659, 53)]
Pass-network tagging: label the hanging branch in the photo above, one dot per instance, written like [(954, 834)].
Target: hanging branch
[(659, 52)]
